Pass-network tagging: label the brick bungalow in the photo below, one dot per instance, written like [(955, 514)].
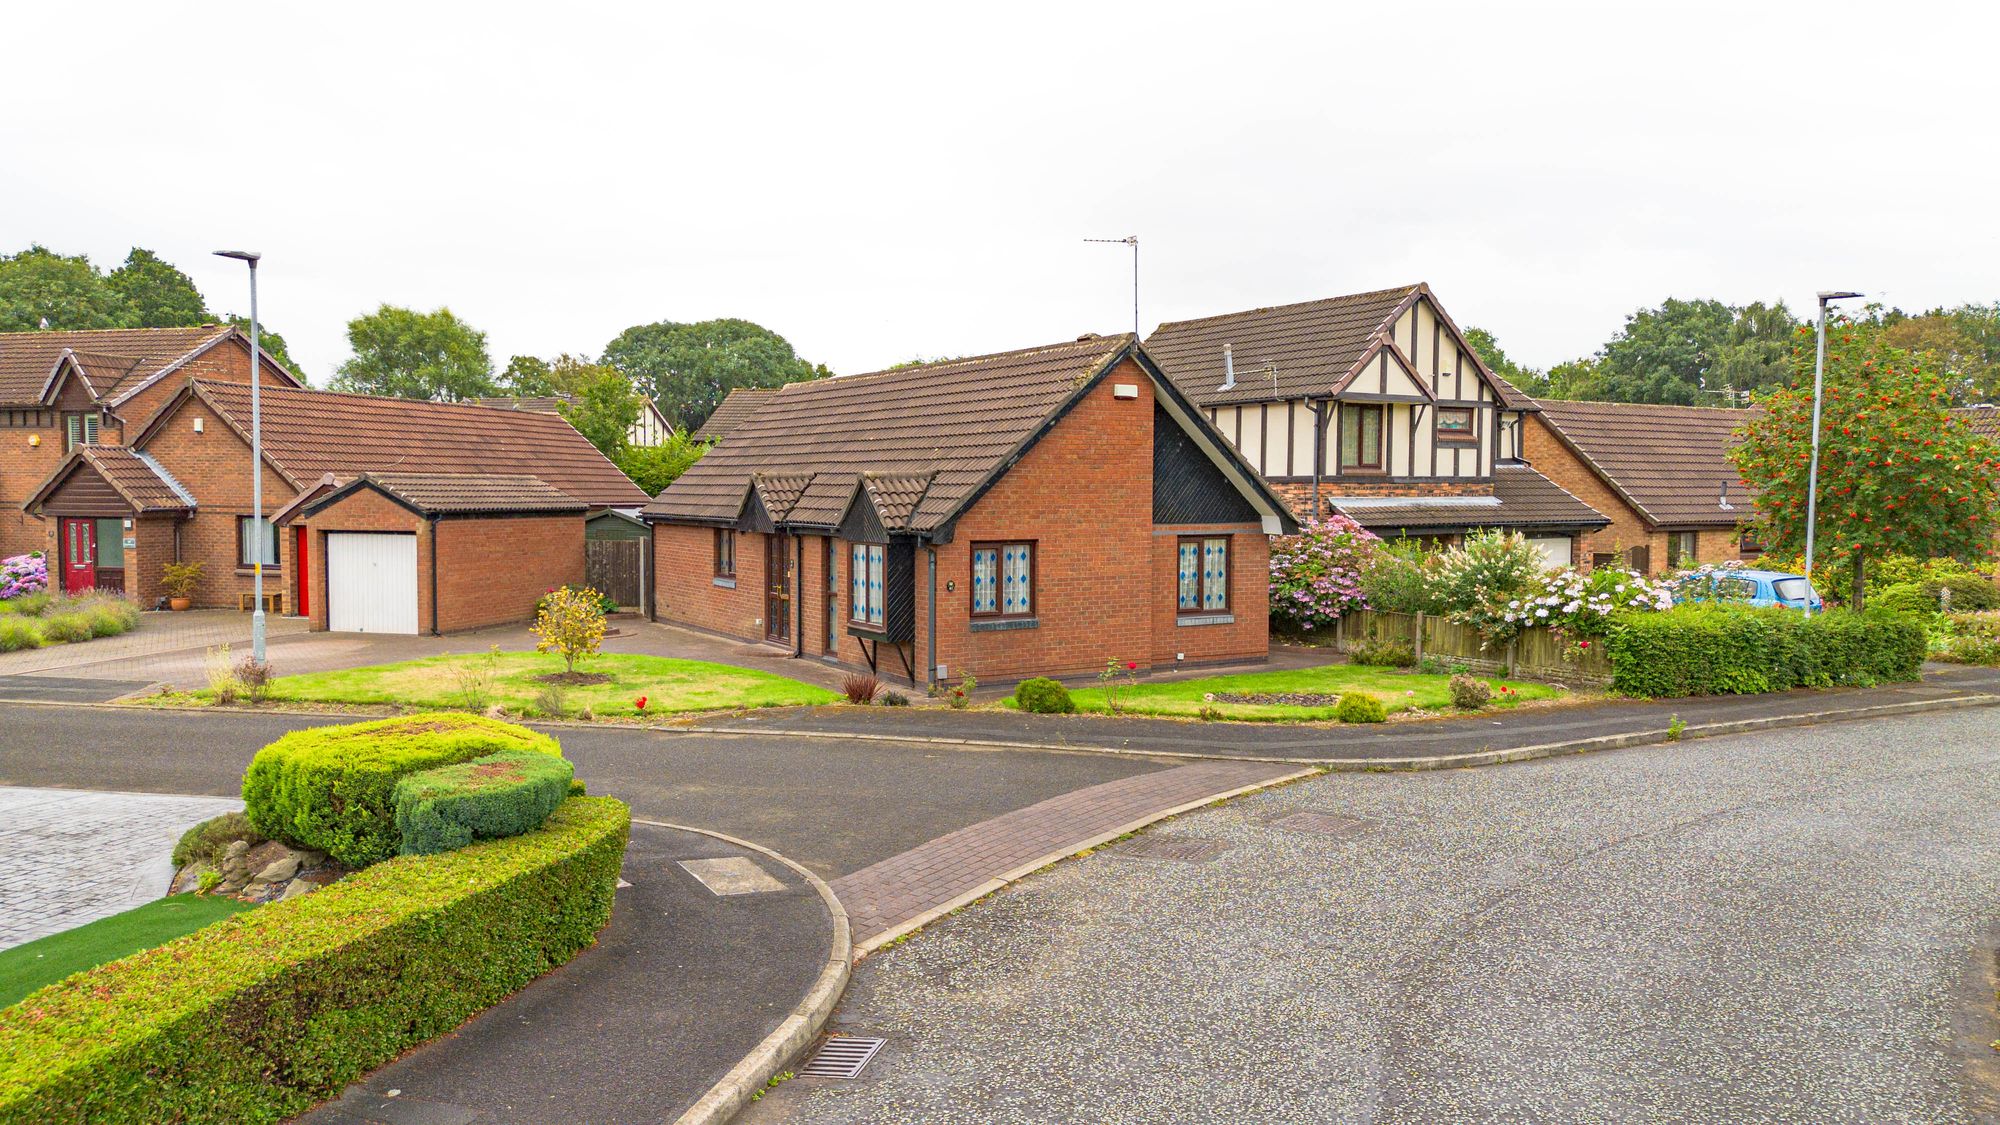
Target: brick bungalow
[(1661, 474), (1373, 405), (1036, 512), (350, 483), (62, 390)]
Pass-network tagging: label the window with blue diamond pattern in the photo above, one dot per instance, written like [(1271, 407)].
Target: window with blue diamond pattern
[(1202, 574), (1003, 579), (864, 587)]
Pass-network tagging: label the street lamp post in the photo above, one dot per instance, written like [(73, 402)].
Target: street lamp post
[(1826, 297), (256, 461)]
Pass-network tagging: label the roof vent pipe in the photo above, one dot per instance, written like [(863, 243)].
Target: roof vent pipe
[(1228, 368)]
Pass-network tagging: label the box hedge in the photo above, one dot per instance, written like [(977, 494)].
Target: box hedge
[(259, 1017), (1738, 650), (487, 798), (333, 788), (1043, 696)]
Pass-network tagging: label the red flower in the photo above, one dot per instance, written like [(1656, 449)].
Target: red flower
[(1131, 665), (640, 703)]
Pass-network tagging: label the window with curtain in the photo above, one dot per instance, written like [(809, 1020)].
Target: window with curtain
[(1360, 435), (1454, 423), (1203, 574), (1003, 579), (725, 553), (256, 541), (864, 588)]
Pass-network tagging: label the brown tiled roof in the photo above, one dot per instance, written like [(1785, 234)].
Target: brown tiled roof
[(539, 404), (1669, 462), (1984, 419), (781, 491), (953, 423), (308, 434), (896, 497), (466, 493), (125, 355), (143, 482), (1521, 497), (739, 404)]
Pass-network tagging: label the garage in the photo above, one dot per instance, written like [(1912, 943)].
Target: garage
[(371, 582)]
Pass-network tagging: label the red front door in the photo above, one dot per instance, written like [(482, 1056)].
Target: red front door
[(79, 562), (299, 568)]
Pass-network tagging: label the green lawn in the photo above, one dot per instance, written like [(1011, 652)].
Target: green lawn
[(1398, 691), (44, 961), (669, 685)]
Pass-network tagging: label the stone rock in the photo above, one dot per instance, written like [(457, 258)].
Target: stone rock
[(235, 850), (298, 887), (280, 869)]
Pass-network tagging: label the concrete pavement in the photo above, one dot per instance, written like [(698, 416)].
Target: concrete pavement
[(1785, 927)]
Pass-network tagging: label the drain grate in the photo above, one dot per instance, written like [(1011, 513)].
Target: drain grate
[(1185, 849), (1323, 824), (841, 1056)]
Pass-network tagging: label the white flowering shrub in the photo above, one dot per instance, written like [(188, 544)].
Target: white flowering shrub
[(1579, 607)]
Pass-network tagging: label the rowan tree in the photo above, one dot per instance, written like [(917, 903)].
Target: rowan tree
[(1899, 473)]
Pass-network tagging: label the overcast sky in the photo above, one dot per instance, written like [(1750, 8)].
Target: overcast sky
[(878, 184)]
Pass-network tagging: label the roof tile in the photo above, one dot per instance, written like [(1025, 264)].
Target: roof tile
[(114, 355), (1671, 462)]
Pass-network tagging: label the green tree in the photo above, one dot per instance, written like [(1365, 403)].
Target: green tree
[(601, 403), (268, 340), (1488, 349), (408, 354), (1962, 343), (687, 368), (156, 295), (654, 467), (1690, 352), (40, 288), (526, 375), (1898, 472)]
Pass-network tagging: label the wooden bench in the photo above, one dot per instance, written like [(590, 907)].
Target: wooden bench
[(273, 602)]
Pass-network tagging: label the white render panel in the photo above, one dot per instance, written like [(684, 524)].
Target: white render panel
[(1252, 444), (371, 582)]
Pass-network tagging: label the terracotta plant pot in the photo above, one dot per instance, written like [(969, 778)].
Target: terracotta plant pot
[(179, 604)]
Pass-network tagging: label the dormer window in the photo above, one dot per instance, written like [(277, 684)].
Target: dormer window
[(1454, 424)]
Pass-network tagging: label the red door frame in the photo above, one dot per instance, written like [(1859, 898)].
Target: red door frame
[(78, 577), (304, 599)]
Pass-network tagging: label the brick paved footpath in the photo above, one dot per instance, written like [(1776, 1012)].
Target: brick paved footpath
[(884, 898), (68, 857)]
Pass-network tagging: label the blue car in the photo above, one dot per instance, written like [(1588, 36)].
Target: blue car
[(1760, 587)]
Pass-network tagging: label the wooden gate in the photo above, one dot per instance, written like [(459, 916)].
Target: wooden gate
[(611, 566)]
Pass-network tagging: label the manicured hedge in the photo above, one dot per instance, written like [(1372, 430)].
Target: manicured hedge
[(258, 1017), (333, 788), (1044, 696), (487, 798), (1724, 650)]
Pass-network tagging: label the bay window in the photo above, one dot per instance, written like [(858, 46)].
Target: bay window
[(864, 594)]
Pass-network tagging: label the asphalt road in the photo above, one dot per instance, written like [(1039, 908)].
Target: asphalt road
[(1786, 927), (834, 805)]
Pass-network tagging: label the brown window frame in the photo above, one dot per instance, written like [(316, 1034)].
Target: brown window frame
[(1467, 436), (1034, 576), (277, 545), (1228, 568), (725, 552), (1381, 410), (1677, 557)]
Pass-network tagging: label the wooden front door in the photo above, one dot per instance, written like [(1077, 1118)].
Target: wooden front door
[(778, 587), (79, 551), (302, 597)]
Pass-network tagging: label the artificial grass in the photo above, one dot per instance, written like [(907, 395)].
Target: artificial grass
[(667, 684), (44, 961), (1398, 691)]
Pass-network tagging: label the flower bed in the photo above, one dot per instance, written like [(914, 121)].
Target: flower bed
[(258, 1017)]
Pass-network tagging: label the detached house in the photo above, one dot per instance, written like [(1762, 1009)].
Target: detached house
[(1661, 474), (63, 390), (381, 514), (1029, 513), (1374, 406)]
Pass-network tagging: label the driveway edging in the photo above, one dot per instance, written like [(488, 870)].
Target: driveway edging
[(912, 925), (785, 1041)]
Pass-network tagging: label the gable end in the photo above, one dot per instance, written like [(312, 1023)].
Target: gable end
[(1187, 487)]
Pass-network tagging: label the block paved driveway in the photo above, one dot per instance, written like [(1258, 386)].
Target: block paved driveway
[(69, 857), (1785, 927)]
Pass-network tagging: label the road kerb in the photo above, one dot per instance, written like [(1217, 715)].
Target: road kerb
[(798, 1029)]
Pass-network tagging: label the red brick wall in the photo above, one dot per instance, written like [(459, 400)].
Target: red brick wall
[(493, 571), (1627, 528), (214, 466), (685, 588), (1248, 637), (367, 510)]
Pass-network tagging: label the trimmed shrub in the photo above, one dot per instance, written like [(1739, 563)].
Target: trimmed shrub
[(1469, 693), (1734, 650), (1383, 653), (1360, 707), (333, 788), (1043, 696), (1904, 597), (206, 842), (488, 798), (262, 1015)]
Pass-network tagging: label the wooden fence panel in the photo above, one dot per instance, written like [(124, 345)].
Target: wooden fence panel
[(1536, 654), (611, 566)]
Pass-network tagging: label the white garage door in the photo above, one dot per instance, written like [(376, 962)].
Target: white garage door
[(1554, 549), (371, 582)]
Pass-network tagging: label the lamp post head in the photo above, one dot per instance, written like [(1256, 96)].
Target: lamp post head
[(1826, 295), (250, 256)]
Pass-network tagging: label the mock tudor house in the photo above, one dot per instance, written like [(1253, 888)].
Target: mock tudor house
[(1661, 474), (63, 390), (1374, 406), (651, 428), (382, 514), (1035, 512)]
